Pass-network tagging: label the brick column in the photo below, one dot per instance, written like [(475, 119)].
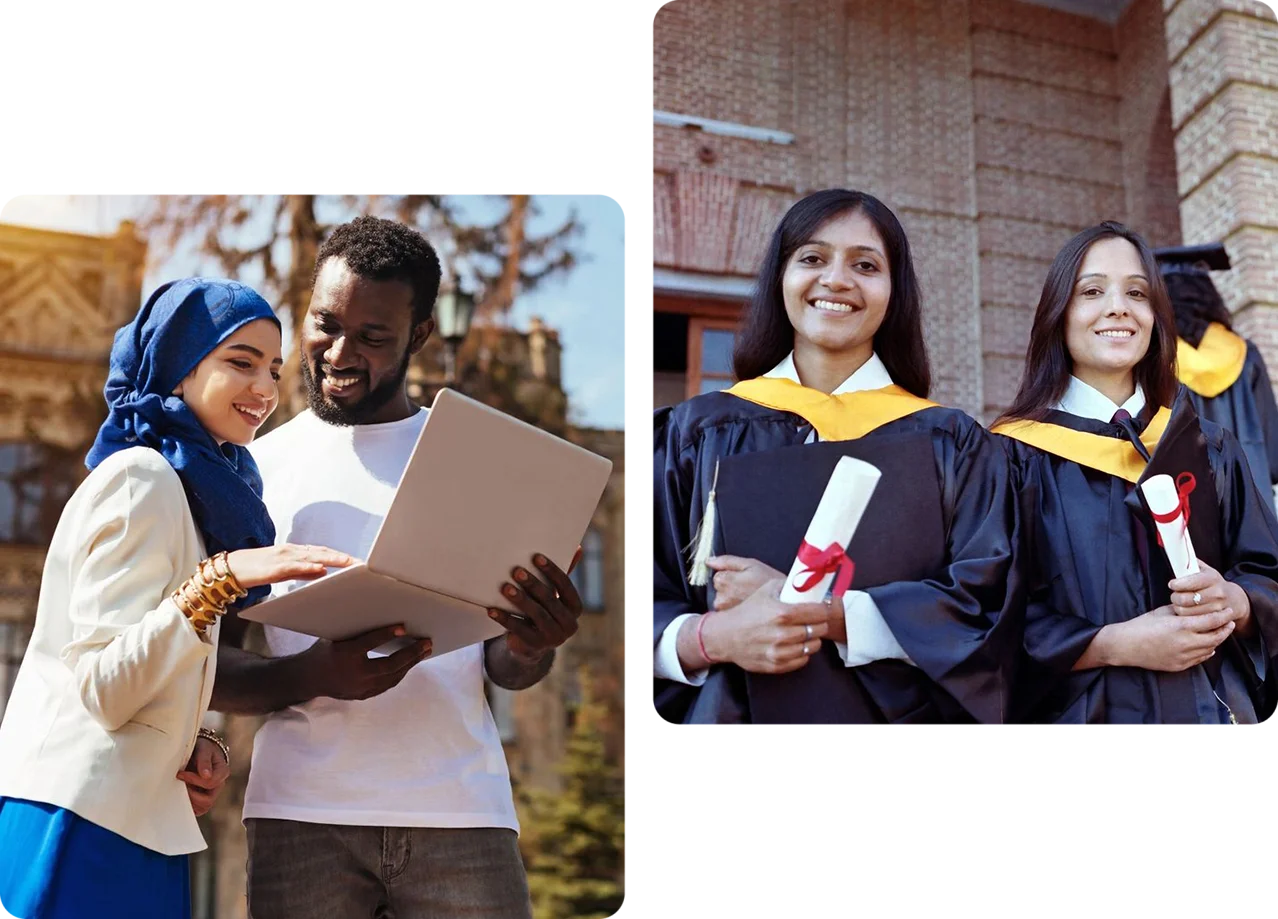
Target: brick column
[(1224, 96)]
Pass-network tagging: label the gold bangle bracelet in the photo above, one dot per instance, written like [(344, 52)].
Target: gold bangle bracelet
[(205, 595)]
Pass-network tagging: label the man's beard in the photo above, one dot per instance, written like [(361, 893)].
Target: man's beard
[(361, 412)]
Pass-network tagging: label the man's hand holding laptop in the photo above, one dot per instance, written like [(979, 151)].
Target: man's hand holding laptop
[(547, 612)]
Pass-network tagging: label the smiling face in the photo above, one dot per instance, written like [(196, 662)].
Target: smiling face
[(1109, 320), (235, 388), (357, 339), (836, 288)]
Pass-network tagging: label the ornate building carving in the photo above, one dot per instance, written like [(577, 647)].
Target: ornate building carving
[(62, 295)]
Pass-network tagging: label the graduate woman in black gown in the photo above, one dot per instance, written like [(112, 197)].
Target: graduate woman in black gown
[(1225, 373), (831, 350), (1109, 635)]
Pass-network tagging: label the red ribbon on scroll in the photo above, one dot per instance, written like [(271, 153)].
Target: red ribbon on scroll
[(1185, 485), (821, 562)]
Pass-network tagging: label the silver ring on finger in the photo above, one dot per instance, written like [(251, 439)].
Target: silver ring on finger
[(1198, 598), (808, 627), (806, 652)]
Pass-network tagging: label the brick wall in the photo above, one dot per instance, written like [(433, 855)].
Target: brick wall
[(996, 129), (877, 98), (1049, 161), (1149, 156), (1224, 105), (909, 142)]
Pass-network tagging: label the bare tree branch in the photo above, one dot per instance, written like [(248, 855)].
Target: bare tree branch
[(504, 258)]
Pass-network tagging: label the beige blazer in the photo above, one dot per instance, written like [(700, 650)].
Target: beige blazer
[(115, 681)]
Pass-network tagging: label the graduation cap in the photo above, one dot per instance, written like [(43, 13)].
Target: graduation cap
[(1194, 297), (1211, 256)]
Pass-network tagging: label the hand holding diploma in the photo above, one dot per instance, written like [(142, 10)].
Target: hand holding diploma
[(822, 565), (761, 634), (1197, 589), (768, 624), (1204, 608), (737, 578), (1205, 592), (822, 569), (1158, 640)]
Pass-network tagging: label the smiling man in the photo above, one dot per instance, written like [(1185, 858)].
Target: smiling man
[(378, 785), (354, 359)]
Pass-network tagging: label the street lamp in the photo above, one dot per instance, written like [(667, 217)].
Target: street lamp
[(453, 312)]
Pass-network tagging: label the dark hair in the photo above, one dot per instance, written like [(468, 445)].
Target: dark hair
[(383, 250), (766, 336), (1195, 302), (1047, 361)]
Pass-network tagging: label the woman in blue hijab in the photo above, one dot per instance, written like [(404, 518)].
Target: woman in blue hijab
[(103, 764)]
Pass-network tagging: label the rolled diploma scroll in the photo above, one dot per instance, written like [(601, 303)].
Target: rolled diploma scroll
[(837, 516), (1160, 494)]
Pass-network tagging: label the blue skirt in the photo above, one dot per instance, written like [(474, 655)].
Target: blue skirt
[(57, 865)]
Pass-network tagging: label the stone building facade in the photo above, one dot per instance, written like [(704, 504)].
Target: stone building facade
[(62, 296), (995, 129)]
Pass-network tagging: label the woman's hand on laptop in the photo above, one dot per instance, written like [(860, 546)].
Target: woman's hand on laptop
[(547, 611), (286, 562)]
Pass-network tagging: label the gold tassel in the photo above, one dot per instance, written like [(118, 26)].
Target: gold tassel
[(703, 540)]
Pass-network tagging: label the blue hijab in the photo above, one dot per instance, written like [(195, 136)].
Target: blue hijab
[(179, 326)]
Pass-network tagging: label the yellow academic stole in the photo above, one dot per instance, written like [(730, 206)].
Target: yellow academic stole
[(1215, 364), (842, 417), (1095, 451)]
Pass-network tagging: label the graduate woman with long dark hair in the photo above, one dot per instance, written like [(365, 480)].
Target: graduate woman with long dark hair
[(1111, 635), (830, 356)]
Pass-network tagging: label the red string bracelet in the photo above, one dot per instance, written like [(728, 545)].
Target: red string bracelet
[(701, 645)]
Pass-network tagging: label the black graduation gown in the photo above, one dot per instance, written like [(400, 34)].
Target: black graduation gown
[(1084, 570), (962, 629), (1247, 410)]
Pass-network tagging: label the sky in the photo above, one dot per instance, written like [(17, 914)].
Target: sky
[(585, 305)]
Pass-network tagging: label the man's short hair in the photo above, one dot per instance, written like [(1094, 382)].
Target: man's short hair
[(384, 250)]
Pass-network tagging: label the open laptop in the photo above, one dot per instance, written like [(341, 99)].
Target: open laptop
[(482, 492)]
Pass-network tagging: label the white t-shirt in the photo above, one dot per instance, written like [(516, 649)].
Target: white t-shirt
[(424, 753)]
